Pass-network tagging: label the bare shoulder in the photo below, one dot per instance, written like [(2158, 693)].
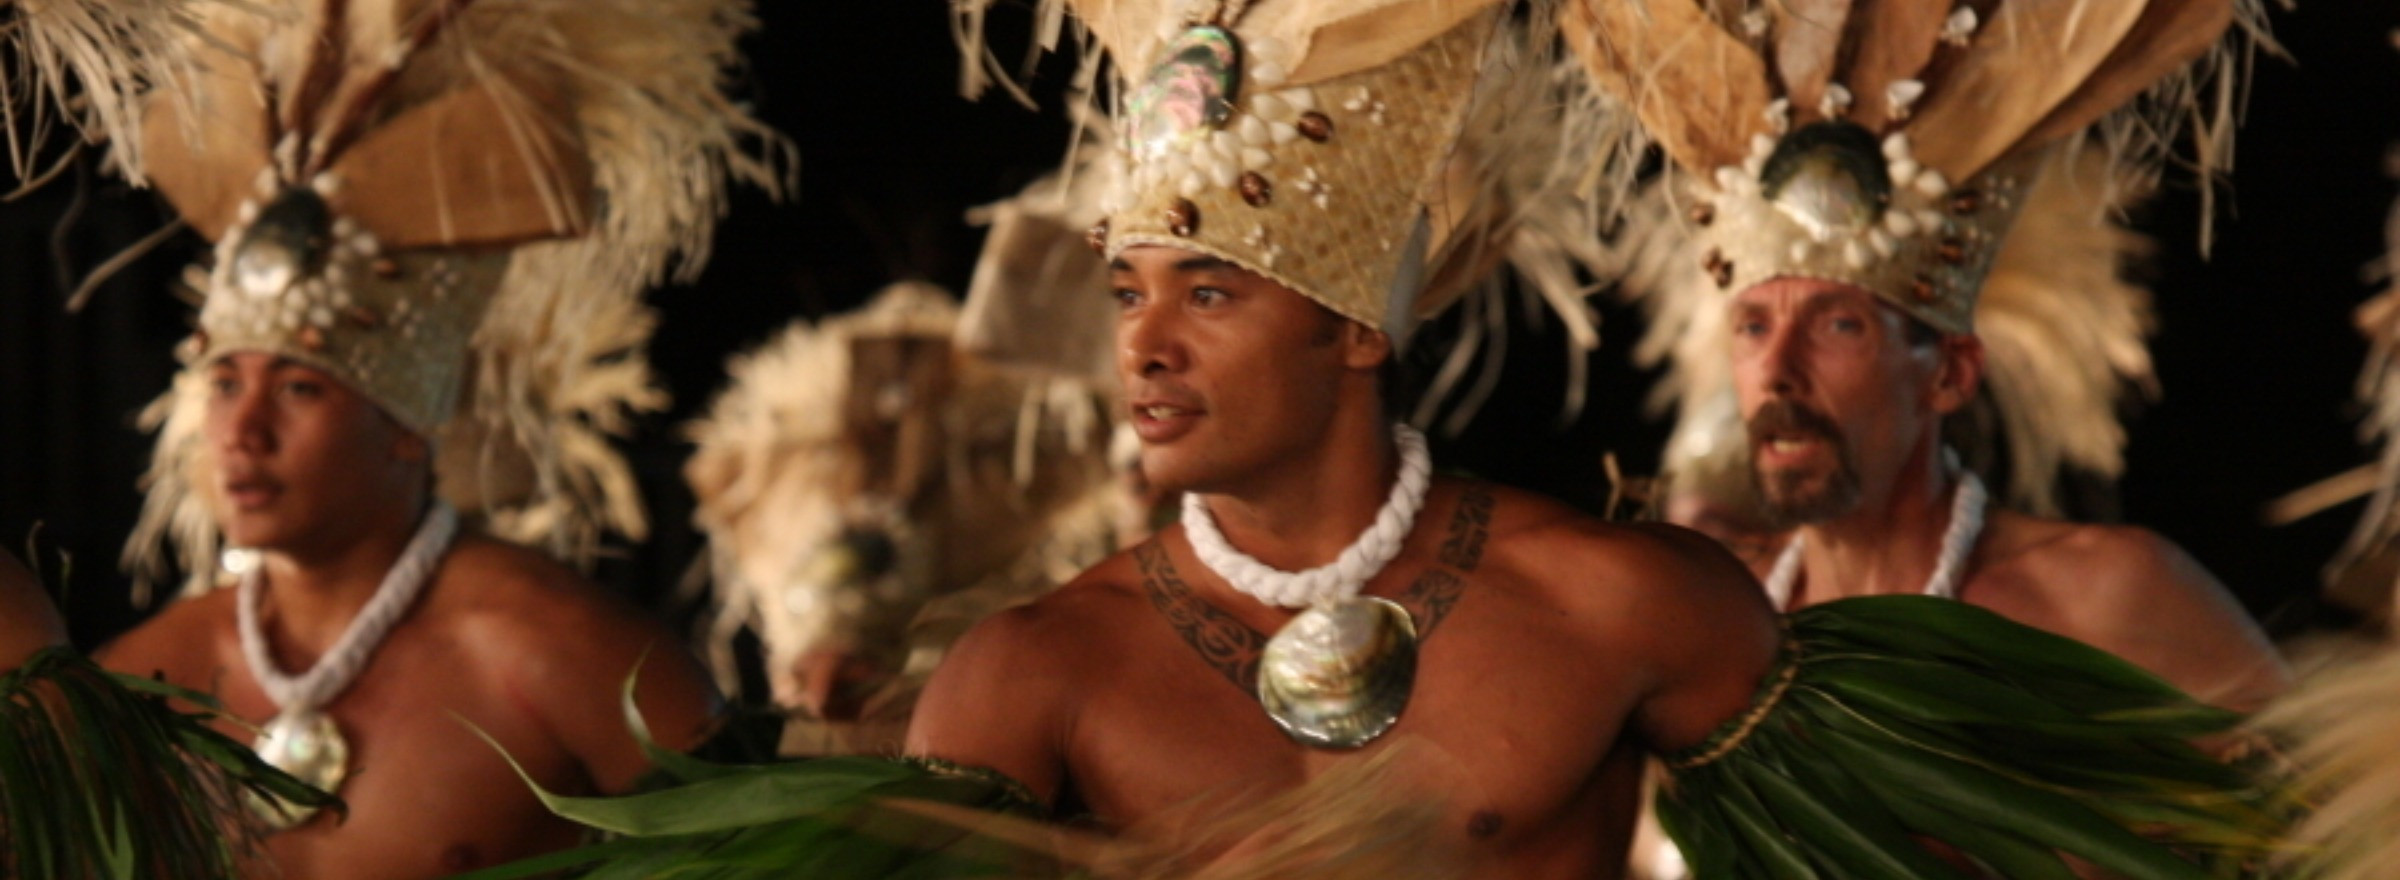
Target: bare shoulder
[(27, 621), (181, 641), (1004, 696), (2131, 592), (1663, 605), (500, 589), (1554, 547), (2042, 554), (567, 646), (1051, 635)]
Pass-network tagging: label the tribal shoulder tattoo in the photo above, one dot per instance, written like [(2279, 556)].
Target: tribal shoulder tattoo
[(1230, 646)]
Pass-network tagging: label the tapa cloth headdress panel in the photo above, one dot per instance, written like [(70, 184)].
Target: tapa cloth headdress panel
[(1880, 146), (453, 207), (1289, 143)]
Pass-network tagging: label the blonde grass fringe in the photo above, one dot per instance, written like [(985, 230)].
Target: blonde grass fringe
[(2363, 576), (1532, 229), (95, 61), (1366, 817), (559, 363), (2340, 729), (782, 411)]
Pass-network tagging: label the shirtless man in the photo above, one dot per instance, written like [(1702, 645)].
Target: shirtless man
[(1844, 396), (28, 623), (329, 488), (1556, 649)]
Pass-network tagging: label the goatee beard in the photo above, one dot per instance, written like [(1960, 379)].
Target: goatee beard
[(1790, 499)]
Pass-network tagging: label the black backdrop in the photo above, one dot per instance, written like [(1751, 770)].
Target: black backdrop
[(2254, 350)]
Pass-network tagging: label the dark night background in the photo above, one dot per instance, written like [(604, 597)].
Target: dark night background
[(2254, 349)]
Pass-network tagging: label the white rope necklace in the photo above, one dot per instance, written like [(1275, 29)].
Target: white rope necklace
[(1958, 540), (342, 663), (1346, 574)]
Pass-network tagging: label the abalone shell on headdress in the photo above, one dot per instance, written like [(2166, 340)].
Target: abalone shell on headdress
[(1339, 675), (1189, 92), (288, 242), (1829, 177)]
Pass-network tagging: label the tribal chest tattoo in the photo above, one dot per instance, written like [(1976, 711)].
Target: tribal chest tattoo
[(1232, 648)]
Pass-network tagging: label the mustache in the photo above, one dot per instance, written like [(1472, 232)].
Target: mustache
[(1785, 418)]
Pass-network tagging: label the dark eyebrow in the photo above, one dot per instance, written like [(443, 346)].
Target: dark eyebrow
[(1202, 263)]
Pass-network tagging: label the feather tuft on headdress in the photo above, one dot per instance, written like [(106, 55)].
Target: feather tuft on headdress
[(505, 180)]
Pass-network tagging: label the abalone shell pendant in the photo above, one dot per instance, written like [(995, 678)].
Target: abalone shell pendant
[(1188, 93), (309, 746), (1338, 675)]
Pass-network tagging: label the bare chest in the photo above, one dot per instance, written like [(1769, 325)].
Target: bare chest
[(1512, 731), (427, 796)]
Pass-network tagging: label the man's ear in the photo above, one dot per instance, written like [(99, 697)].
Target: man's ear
[(1958, 372), (1364, 347)]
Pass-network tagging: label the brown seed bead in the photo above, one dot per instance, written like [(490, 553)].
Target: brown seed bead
[(1704, 214), (362, 316), (1183, 218), (1952, 251), (1097, 236), (1256, 190), (1719, 268), (385, 267), (1965, 202), (1921, 289), (1315, 126), (312, 338)]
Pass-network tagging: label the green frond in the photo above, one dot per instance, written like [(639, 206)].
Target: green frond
[(1910, 718), (101, 778)]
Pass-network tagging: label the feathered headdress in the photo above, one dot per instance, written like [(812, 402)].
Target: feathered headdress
[(93, 64), (453, 207), (2365, 575), (1383, 157), (1892, 145)]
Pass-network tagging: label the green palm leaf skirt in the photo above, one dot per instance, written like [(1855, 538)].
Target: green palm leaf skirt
[(1893, 720), (1889, 722), (101, 778)]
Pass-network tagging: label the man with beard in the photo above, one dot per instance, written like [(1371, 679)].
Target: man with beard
[(1896, 207), (1844, 394)]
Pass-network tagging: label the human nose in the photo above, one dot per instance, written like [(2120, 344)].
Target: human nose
[(1780, 360), (243, 419), (1147, 344)]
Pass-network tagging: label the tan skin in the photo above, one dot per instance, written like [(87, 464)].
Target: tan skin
[(1839, 351), (28, 623), (331, 488), (1556, 650)]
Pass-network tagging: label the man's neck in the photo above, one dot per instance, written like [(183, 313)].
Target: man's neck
[(312, 594), (1889, 545), (1305, 513)]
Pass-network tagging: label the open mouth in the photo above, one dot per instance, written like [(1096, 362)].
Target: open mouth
[(1159, 422)]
